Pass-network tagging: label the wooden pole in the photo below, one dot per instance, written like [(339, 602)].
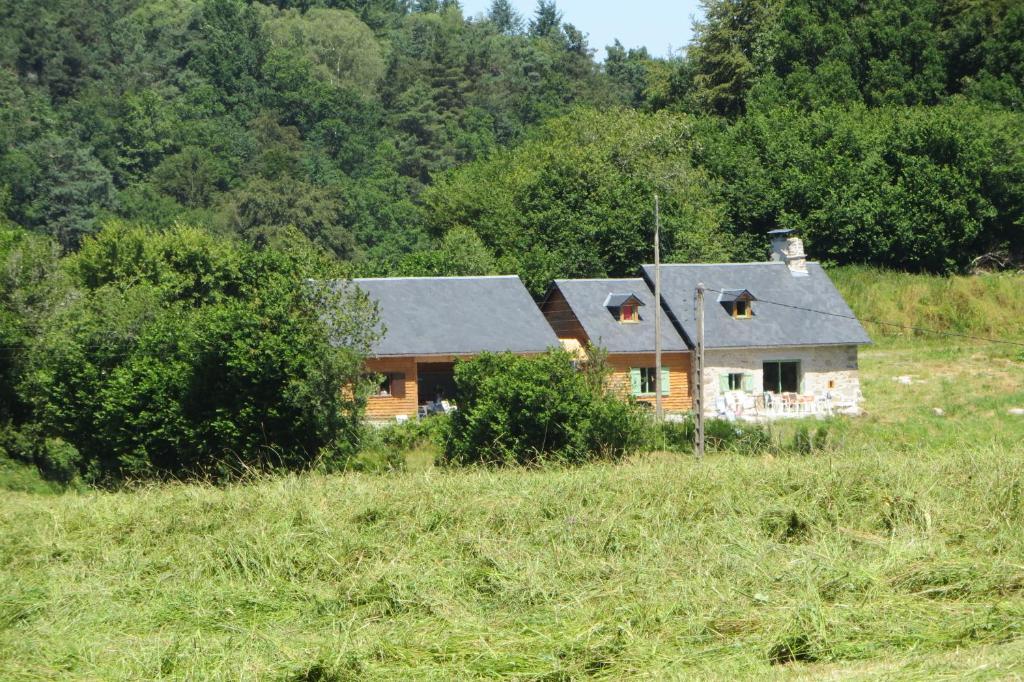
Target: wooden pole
[(699, 375), (658, 414)]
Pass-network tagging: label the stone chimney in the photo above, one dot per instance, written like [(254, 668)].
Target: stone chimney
[(789, 249)]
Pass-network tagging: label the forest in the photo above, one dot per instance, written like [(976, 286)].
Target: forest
[(173, 171)]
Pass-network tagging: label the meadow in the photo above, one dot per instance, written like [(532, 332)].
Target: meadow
[(895, 551)]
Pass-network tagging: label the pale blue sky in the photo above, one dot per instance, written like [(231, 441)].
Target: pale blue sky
[(655, 24)]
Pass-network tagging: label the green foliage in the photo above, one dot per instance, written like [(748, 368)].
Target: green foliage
[(188, 355), (530, 410), (388, 447), (911, 188), (343, 47), (577, 199), (739, 437), (764, 54)]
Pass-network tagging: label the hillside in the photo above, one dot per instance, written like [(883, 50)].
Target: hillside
[(895, 551), (987, 305)]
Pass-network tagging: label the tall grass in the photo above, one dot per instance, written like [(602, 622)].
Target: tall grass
[(738, 566), (987, 305), (893, 552)]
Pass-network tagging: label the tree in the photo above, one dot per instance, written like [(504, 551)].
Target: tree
[(265, 207), (547, 19), (460, 253), (57, 188), (505, 18), (189, 356), (342, 47), (576, 200)]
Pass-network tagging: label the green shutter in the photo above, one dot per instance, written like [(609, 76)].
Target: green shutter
[(634, 380), (748, 383), (665, 381), (723, 381)]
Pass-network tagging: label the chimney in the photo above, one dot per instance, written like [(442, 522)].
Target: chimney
[(789, 249)]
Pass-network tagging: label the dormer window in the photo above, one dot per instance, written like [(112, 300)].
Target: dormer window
[(738, 303), (625, 307)]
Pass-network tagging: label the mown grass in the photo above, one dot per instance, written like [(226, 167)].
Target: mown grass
[(898, 555), (894, 553)]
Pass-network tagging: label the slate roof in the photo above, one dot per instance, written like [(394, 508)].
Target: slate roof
[(587, 299), (732, 295), (457, 315), (616, 300), (771, 325)]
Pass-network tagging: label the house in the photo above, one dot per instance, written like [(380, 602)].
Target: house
[(618, 316), (778, 337), (429, 322), (771, 329)]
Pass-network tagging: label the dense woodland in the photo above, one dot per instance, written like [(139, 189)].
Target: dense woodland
[(169, 167)]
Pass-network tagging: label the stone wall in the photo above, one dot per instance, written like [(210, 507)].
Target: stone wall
[(823, 370)]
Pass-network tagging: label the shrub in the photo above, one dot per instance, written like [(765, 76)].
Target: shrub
[(747, 439), (675, 436), (56, 459), (525, 410), (198, 358)]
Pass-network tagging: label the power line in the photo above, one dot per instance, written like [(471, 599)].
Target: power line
[(897, 325)]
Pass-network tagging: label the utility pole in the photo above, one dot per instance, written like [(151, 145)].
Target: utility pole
[(658, 414), (699, 374)]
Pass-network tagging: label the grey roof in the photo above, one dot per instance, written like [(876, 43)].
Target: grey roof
[(457, 315), (771, 325), (616, 300), (587, 299), (730, 295)]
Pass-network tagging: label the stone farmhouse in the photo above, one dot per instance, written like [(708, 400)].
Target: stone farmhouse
[(779, 338)]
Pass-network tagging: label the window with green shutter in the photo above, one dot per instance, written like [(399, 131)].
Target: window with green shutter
[(736, 381), (642, 380), (634, 381)]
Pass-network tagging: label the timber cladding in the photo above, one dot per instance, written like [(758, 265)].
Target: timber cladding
[(404, 397), (678, 399), (562, 319)]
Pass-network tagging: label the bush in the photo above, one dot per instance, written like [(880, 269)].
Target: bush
[(384, 447), (672, 436), (56, 459), (743, 438), (199, 358), (527, 410)]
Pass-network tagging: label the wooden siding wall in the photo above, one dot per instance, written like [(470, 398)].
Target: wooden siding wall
[(678, 399), (562, 318), (387, 407)]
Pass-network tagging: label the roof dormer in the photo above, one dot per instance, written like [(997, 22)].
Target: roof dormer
[(738, 303), (625, 307)]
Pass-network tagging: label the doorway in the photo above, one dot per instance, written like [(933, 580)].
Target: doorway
[(782, 376), (436, 381)]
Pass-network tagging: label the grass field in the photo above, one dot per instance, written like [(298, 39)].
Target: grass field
[(898, 554)]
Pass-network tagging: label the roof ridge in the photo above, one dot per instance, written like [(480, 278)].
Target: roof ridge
[(434, 277), (599, 279), (705, 265)]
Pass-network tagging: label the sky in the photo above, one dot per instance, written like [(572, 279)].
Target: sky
[(654, 24)]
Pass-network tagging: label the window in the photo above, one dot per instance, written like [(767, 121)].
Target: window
[(627, 313), (782, 376), (741, 309), (736, 381), (642, 380), (392, 384)]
